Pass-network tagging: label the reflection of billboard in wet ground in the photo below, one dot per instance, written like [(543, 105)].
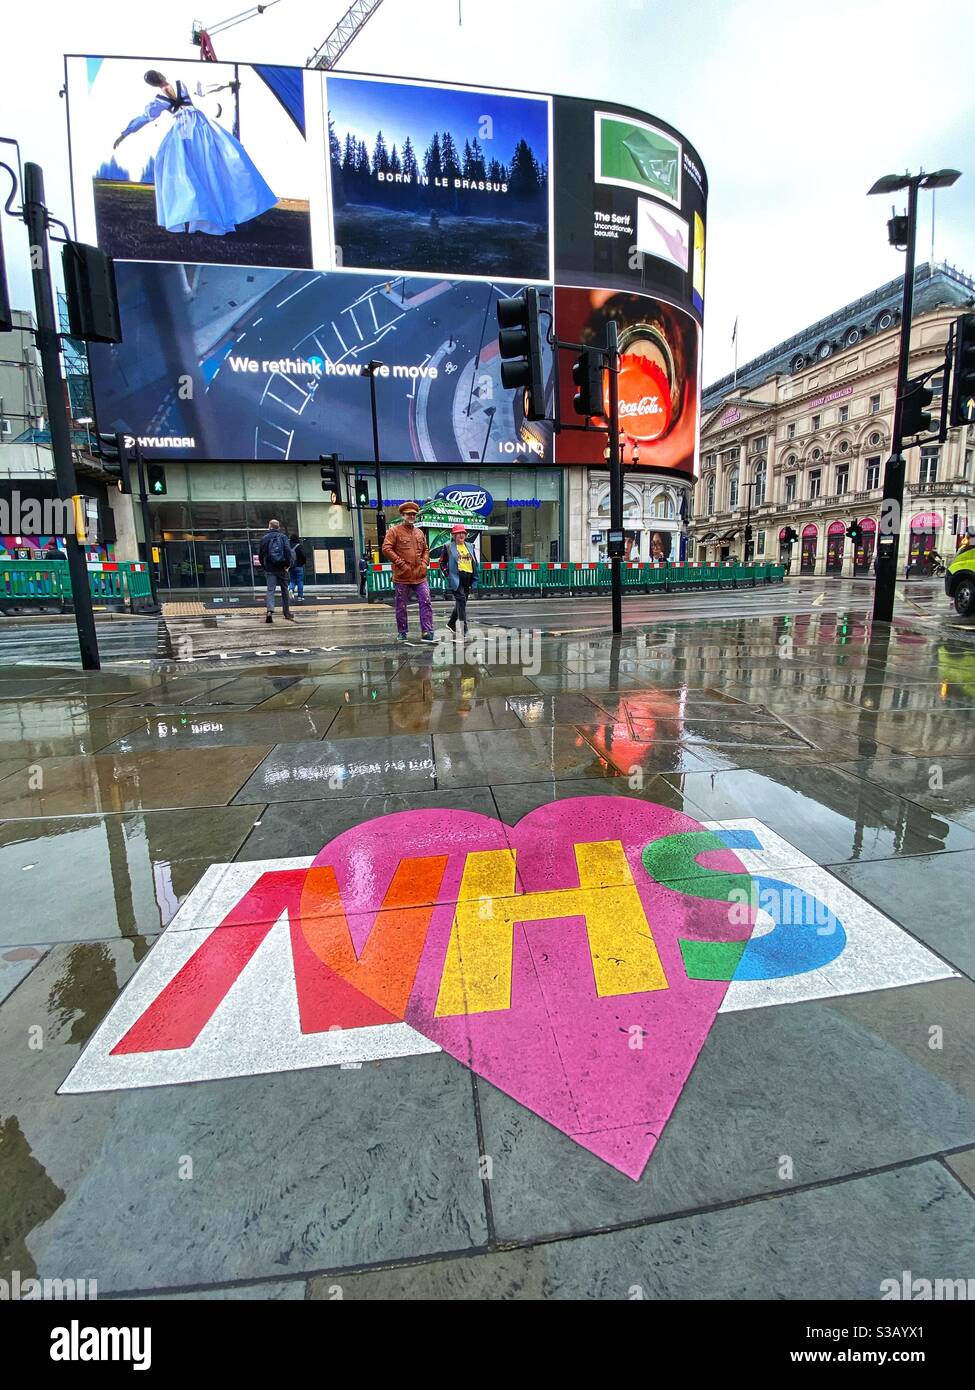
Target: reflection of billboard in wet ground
[(226, 362), (439, 179)]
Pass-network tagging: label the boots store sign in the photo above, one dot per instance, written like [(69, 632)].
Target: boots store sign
[(468, 497)]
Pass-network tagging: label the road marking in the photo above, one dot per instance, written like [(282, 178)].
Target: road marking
[(356, 956)]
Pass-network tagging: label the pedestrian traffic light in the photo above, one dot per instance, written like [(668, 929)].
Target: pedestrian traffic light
[(914, 417), (331, 481), (520, 346), (790, 536), (963, 373), (362, 492), (855, 532), (587, 373), (156, 475)]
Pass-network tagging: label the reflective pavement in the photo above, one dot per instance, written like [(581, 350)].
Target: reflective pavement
[(450, 955)]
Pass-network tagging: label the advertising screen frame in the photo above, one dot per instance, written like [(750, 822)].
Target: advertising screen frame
[(682, 291)]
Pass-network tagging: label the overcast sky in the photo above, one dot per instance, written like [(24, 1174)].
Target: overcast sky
[(795, 110)]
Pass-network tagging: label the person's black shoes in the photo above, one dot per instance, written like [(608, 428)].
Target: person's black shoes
[(269, 619)]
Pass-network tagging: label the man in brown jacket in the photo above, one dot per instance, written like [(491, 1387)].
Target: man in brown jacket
[(406, 546)]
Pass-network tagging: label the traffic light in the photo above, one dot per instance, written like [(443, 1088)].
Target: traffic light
[(90, 293), (790, 536), (855, 533), (362, 492), (587, 373), (914, 417), (520, 345), (331, 481), (963, 373), (156, 476)]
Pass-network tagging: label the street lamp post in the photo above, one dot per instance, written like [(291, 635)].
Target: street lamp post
[(372, 368), (892, 505)]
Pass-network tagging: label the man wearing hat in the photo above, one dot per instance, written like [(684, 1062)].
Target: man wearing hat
[(459, 565), (406, 547)]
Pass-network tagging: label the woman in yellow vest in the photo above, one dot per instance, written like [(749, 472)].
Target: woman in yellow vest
[(459, 565)]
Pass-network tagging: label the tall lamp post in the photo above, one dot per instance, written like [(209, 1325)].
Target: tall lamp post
[(902, 232), (372, 368)]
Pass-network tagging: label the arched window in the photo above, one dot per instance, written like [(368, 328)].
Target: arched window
[(709, 495), (663, 507), (733, 489), (758, 491)]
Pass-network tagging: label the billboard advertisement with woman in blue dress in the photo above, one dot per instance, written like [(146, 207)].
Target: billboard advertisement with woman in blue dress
[(169, 167)]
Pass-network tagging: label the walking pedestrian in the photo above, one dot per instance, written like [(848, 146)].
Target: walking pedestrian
[(406, 547), (297, 572), (276, 557), (460, 567), (363, 571)]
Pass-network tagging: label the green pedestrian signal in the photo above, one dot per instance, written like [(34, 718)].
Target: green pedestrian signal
[(157, 479)]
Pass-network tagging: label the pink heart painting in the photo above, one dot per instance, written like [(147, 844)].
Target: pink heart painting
[(543, 956)]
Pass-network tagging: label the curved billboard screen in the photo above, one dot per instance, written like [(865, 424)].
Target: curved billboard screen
[(276, 229)]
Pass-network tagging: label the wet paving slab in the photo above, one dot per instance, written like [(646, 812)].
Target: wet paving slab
[(117, 875), (522, 755), (829, 815), (337, 1155), (853, 1236), (218, 727), (151, 780), (341, 767)]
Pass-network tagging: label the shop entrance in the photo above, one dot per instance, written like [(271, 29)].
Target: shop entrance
[(807, 563), (834, 547)]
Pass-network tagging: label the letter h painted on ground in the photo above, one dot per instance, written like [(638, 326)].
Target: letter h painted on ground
[(477, 972)]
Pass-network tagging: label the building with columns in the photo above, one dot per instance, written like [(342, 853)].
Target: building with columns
[(799, 437)]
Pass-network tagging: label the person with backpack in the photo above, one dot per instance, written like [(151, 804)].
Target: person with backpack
[(276, 558), (297, 575), (458, 564)]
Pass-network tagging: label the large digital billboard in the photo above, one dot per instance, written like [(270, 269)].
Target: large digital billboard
[(228, 362), (276, 229), (443, 180)]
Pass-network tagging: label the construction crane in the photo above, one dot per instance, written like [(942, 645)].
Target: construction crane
[(355, 17), (203, 37)]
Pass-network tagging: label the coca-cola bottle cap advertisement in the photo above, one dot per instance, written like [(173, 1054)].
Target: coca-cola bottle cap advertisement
[(658, 378)]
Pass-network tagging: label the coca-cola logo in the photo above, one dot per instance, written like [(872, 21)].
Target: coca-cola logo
[(646, 404), (649, 405)]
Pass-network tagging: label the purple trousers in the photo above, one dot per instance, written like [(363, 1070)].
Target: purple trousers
[(421, 592)]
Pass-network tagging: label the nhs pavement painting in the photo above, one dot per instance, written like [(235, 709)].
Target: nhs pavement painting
[(576, 960)]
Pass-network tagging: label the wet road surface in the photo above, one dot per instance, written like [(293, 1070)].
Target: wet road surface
[(808, 1101)]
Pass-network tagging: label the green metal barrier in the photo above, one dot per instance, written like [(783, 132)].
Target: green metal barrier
[(564, 577), (525, 575), (556, 576), (493, 575), (587, 575), (34, 584)]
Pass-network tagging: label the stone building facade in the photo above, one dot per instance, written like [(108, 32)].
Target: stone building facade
[(800, 438)]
